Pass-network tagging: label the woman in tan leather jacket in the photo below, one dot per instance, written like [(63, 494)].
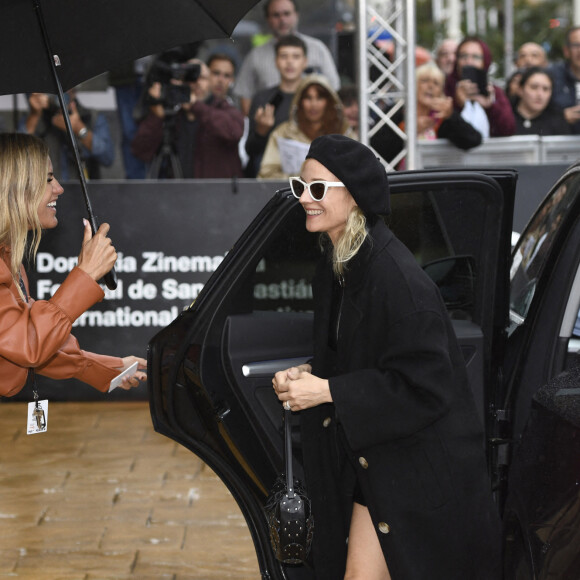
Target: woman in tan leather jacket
[(37, 334)]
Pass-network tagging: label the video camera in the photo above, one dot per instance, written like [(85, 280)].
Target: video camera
[(170, 67)]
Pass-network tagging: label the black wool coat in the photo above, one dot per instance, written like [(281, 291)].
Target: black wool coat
[(403, 419)]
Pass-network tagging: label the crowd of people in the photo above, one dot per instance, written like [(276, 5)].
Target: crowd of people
[(403, 385), (227, 117)]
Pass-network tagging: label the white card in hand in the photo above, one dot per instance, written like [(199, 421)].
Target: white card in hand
[(119, 378)]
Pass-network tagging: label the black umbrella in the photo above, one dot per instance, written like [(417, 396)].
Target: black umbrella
[(51, 46)]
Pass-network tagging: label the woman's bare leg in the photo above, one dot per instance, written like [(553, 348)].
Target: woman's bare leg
[(365, 560)]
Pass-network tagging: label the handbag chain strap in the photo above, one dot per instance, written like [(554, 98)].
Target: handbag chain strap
[(288, 453)]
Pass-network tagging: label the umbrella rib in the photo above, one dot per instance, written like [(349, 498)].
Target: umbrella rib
[(51, 58), (212, 17), (110, 277)]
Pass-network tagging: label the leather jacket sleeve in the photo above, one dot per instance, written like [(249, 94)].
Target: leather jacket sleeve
[(37, 334)]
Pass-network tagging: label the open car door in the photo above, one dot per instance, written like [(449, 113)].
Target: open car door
[(210, 371), (542, 399)]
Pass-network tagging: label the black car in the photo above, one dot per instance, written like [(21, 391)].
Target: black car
[(210, 371)]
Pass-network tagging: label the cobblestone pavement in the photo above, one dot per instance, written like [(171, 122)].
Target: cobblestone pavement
[(101, 496)]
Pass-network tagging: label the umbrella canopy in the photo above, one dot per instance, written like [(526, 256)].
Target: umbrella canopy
[(93, 36), (50, 46)]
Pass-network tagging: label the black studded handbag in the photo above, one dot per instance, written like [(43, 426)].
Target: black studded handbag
[(288, 511)]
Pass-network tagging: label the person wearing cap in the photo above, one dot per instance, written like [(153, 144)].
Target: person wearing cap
[(393, 447)]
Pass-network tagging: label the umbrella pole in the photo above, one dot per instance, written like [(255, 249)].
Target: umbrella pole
[(111, 277)]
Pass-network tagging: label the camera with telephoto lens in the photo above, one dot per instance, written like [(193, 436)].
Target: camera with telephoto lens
[(166, 71)]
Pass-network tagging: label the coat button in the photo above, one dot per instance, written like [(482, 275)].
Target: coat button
[(326, 422), (363, 462), (384, 528)]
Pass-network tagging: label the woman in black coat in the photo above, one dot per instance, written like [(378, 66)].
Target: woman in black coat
[(393, 447)]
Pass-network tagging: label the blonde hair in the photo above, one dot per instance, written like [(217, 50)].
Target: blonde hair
[(350, 241), (23, 174), (431, 71)]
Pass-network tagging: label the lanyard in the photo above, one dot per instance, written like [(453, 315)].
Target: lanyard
[(31, 374)]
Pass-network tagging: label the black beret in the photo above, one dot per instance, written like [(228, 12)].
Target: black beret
[(358, 168)]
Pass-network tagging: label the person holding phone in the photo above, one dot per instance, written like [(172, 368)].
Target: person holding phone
[(271, 106), (480, 102), (35, 336), (91, 128), (436, 119)]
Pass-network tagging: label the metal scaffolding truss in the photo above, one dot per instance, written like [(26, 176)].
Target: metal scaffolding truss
[(386, 78)]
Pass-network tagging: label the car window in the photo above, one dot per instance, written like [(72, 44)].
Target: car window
[(282, 277), (429, 223), (529, 258)]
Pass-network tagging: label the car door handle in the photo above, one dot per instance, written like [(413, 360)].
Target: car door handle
[(269, 368)]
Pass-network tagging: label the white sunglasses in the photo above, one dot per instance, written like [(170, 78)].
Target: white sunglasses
[(316, 189)]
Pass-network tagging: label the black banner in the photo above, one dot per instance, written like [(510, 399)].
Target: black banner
[(170, 237)]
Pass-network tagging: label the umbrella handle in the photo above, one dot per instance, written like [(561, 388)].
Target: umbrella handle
[(110, 278)]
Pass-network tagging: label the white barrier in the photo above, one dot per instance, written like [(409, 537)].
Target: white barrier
[(516, 150)]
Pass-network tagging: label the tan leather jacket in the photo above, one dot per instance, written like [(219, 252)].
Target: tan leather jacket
[(37, 334)]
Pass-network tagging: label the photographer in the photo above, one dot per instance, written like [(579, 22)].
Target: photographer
[(480, 102), (166, 137), (45, 120), (221, 124)]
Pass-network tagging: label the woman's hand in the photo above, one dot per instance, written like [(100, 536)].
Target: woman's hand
[(264, 119), (424, 122), (38, 102), (135, 379), (486, 102), (300, 388), (572, 114), (97, 255), (154, 92), (442, 107), (465, 90)]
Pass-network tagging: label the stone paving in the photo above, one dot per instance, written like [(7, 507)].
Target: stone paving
[(101, 496)]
